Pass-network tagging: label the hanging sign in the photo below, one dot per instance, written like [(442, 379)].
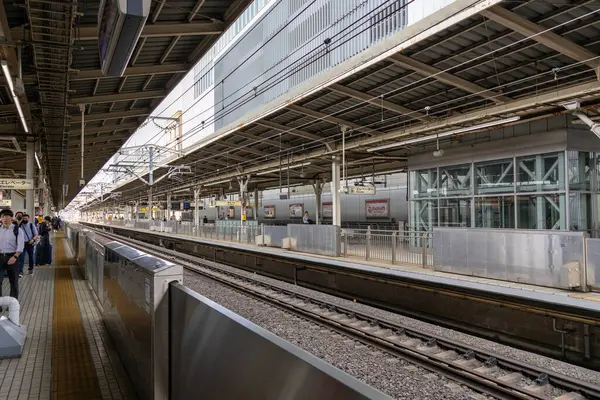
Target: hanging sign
[(296, 210), (231, 203), (377, 208), (5, 203), (359, 190), (327, 210), (7, 183), (269, 211)]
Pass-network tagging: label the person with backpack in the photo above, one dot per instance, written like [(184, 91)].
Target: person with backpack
[(31, 235), (11, 247)]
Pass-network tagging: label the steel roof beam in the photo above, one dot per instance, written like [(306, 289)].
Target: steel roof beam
[(378, 101), (110, 98), (75, 142), (105, 128), (90, 32), (539, 101), (331, 119), (289, 130), (539, 34), (135, 71), (449, 79), (142, 112), (195, 10), (259, 139)]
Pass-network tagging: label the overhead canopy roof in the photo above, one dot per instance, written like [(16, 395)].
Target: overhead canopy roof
[(520, 59), (61, 69)]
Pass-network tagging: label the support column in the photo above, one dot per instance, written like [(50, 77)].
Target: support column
[(30, 174), (243, 182), (150, 202), (256, 204), (335, 192), (169, 206), (197, 206), (150, 178), (318, 188)]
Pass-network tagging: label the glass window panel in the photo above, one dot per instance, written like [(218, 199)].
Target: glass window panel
[(542, 172), (580, 208), (455, 180), (423, 215), (423, 183), (541, 211), (526, 212), (495, 212), (495, 177), (580, 167), (455, 213)]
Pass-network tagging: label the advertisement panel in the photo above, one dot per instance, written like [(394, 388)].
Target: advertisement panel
[(269, 211), (296, 210), (377, 208), (327, 210)]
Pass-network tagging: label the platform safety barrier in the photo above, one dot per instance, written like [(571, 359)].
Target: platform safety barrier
[(176, 344), (395, 247)]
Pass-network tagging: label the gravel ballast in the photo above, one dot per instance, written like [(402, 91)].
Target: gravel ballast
[(195, 282), (391, 375)]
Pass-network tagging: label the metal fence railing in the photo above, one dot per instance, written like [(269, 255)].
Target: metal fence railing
[(405, 247), (391, 246)]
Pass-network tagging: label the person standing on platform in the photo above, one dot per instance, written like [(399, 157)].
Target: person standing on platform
[(11, 247), (18, 218), (44, 250), (31, 234)]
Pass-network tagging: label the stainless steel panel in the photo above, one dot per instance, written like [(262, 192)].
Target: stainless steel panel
[(216, 354), (593, 263), (135, 311), (317, 239), (545, 258), (277, 233)]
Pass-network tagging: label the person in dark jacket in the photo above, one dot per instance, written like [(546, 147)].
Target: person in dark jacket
[(44, 250)]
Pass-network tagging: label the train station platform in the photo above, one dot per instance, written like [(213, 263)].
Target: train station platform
[(588, 303), (557, 323), (67, 353)]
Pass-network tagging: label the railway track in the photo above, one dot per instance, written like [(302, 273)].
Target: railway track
[(484, 372)]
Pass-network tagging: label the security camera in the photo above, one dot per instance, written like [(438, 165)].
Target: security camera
[(438, 153), (81, 183)]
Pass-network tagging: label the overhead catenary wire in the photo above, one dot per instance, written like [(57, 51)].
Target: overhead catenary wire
[(163, 132), (402, 88), (256, 162), (289, 74)]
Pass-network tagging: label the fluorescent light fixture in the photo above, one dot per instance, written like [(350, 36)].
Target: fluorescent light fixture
[(445, 134), (12, 93), (283, 168), (37, 160)]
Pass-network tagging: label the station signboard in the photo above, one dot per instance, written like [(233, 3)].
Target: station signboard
[(359, 190), (377, 208), (7, 183)]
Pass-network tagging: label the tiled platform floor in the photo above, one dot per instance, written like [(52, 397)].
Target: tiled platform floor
[(32, 376)]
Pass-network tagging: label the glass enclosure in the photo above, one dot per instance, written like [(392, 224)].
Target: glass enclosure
[(541, 191)]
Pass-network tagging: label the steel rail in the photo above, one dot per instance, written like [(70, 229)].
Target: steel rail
[(499, 376)]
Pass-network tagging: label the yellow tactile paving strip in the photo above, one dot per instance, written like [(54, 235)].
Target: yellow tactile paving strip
[(73, 372)]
